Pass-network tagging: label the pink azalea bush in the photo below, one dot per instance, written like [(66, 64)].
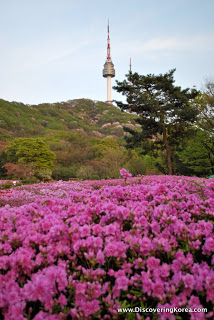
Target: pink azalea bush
[(81, 250), (125, 174)]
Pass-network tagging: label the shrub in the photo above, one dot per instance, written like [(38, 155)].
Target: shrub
[(30, 180), (84, 250)]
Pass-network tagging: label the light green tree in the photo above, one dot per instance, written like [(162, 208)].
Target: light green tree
[(101, 146), (32, 151)]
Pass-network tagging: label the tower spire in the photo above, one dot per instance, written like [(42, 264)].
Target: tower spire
[(108, 45), (130, 70), (108, 71)]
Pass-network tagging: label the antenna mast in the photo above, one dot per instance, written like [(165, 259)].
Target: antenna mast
[(108, 71)]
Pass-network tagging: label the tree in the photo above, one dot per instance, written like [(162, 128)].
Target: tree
[(198, 153), (72, 151), (111, 163), (3, 160), (20, 171), (32, 151), (85, 172), (165, 111), (134, 163), (205, 104), (101, 145)]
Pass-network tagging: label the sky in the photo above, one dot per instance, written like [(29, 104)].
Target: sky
[(54, 50)]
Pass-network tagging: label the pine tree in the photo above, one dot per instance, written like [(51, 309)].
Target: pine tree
[(163, 109)]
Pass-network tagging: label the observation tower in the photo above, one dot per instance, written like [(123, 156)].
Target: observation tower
[(108, 71)]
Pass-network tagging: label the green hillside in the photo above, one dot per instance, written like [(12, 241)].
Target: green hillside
[(84, 138), (92, 118)]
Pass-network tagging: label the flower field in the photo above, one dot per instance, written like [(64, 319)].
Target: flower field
[(82, 250)]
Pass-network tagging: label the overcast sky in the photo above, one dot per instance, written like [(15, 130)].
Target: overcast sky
[(54, 50)]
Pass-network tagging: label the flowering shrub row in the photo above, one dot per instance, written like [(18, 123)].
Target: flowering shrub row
[(81, 250)]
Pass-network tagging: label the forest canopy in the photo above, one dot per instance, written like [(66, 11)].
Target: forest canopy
[(160, 129)]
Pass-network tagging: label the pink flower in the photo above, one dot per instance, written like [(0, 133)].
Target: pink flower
[(147, 286), (84, 231), (146, 282), (176, 266), (97, 229), (45, 316), (125, 174), (4, 262), (100, 258), (90, 307), (115, 249), (145, 245), (209, 245), (122, 283), (62, 300), (111, 272), (152, 263), (164, 270), (81, 288), (158, 288), (189, 281), (90, 255)]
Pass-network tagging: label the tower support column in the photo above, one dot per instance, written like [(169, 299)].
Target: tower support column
[(109, 89)]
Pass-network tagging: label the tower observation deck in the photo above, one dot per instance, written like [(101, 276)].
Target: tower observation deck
[(108, 71)]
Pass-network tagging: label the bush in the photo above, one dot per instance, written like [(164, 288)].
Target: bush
[(95, 247), (29, 180), (85, 172), (6, 186), (64, 173), (95, 177), (43, 173), (136, 166)]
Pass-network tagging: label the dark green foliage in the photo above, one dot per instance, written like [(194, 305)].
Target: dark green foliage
[(5, 186), (64, 173), (3, 161), (30, 180), (165, 111), (198, 153), (205, 105)]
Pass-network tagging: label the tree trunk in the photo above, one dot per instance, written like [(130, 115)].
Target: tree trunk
[(168, 152)]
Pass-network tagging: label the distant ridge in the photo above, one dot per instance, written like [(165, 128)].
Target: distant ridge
[(93, 118)]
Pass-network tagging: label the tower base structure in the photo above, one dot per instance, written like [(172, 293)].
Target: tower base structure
[(109, 101)]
